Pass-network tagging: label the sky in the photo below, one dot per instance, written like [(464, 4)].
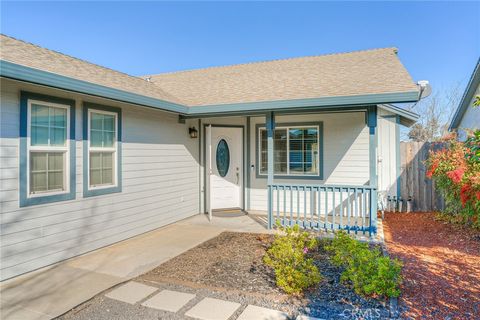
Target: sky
[(437, 41)]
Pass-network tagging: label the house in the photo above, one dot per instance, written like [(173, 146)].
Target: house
[(91, 156), (466, 117)]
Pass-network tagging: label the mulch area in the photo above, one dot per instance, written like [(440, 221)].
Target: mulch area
[(441, 266), (232, 263)]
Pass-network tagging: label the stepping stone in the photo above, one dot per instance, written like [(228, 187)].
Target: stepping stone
[(132, 292), (169, 300), (259, 313), (213, 309), (304, 317)]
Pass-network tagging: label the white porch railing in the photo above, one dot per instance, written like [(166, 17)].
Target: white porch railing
[(324, 207)]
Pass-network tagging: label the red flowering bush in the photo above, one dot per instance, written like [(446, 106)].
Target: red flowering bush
[(456, 171)]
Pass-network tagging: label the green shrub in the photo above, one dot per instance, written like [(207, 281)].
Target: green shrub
[(369, 272), (288, 256)]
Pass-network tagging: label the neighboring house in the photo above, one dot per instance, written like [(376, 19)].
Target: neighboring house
[(466, 117), (91, 156)]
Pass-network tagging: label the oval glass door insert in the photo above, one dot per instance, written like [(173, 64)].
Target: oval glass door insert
[(223, 158)]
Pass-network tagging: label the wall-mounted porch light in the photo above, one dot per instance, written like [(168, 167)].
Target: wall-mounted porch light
[(193, 132)]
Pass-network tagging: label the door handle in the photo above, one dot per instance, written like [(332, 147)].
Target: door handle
[(238, 177)]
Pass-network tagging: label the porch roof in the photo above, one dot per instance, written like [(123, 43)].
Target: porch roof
[(349, 79)]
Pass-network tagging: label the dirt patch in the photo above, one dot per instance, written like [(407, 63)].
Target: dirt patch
[(229, 261), (441, 266)]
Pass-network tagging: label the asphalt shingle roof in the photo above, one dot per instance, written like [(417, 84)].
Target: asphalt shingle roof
[(347, 74), (33, 56), (375, 71)]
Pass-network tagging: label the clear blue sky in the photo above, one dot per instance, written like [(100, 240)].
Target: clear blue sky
[(438, 41)]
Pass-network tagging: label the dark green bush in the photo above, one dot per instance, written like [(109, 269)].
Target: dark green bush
[(369, 272), (288, 256)]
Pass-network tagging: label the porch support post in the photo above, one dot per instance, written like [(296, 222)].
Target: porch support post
[(270, 126), (372, 125)]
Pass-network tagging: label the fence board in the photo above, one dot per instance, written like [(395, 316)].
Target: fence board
[(414, 183)]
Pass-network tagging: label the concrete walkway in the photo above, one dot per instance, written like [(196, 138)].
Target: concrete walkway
[(52, 291), (147, 301)]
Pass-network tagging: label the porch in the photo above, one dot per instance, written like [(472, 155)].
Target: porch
[(337, 189)]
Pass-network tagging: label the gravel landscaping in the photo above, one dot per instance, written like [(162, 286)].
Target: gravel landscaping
[(441, 266), (230, 267)]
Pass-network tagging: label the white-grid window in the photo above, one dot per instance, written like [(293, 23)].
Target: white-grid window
[(296, 151), (47, 148), (102, 148)]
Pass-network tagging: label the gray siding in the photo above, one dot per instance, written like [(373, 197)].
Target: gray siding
[(160, 186), (345, 153), (470, 119), (388, 144)]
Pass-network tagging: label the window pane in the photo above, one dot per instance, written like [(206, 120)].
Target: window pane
[(39, 115), (95, 177), (263, 151), (109, 123), (107, 177), (58, 136), (95, 160), (38, 161), (303, 150), (102, 130), (107, 161), (55, 180), (280, 151), (48, 126), (39, 136), (58, 117), (96, 122), (102, 135), (101, 168), (108, 139), (55, 161), (311, 133), (38, 182), (96, 138), (47, 171)]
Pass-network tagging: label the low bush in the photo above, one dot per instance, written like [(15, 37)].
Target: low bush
[(369, 272), (288, 256)]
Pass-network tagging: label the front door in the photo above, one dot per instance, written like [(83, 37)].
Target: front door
[(226, 169)]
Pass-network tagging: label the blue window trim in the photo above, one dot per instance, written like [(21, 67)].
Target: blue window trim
[(101, 191), (318, 124), (25, 201)]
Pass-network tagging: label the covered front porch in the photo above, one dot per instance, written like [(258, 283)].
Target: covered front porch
[(314, 168)]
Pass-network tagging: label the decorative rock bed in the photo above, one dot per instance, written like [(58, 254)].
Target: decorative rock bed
[(230, 267)]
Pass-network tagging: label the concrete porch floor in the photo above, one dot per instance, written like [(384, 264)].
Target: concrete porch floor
[(52, 291)]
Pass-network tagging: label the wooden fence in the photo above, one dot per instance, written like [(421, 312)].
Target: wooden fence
[(414, 182)]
